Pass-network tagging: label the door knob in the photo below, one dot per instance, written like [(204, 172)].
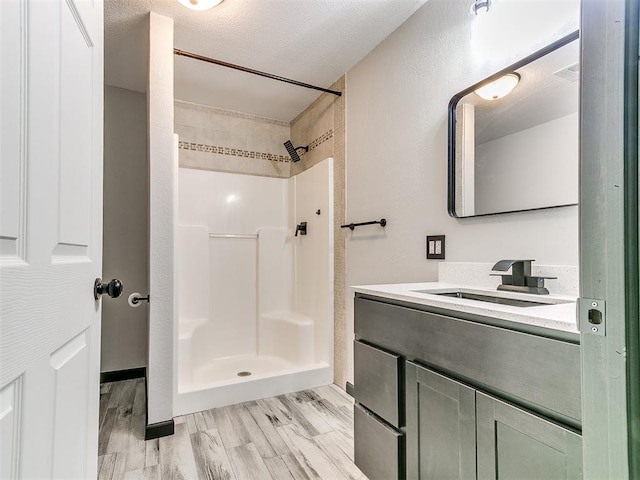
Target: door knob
[(113, 288)]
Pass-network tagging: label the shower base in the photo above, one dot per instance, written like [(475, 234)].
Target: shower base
[(217, 383), (225, 370)]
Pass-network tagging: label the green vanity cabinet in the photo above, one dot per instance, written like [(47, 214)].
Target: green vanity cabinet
[(378, 381), (441, 426), (452, 427), (441, 395), (513, 443), (378, 450), (378, 438)]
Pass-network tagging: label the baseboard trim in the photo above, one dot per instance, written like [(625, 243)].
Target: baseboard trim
[(350, 388), (118, 375), (160, 429)]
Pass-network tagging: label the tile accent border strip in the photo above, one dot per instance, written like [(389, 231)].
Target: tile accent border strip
[(239, 152), (235, 152), (229, 113)]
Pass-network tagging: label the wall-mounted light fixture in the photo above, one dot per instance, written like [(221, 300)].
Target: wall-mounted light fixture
[(498, 88), (481, 6), (200, 4)]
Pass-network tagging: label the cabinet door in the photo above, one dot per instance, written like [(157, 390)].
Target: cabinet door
[(441, 426), (515, 444)]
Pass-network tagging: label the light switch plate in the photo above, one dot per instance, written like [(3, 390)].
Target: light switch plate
[(435, 247)]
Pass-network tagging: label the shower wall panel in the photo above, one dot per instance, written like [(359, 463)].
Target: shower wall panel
[(275, 270), (232, 297), (193, 271), (314, 286), (229, 203), (221, 217)]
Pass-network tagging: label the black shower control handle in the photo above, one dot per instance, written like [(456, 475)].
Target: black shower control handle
[(302, 228)]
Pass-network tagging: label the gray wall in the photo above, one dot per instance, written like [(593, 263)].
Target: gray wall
[(126, 231), (397, 144)]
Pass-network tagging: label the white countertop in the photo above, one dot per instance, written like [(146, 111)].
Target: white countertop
[(557, 316)]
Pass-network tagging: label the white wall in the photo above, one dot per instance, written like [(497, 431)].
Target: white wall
[(397, 144), (126, 234), (162, 173)]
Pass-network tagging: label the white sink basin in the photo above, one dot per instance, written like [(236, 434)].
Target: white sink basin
[(502, 298)]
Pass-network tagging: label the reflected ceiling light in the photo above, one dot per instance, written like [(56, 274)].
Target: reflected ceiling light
[(200, 4), (480, 7), (498, 88)]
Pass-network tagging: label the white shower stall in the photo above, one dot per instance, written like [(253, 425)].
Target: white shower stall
[(254, 301)]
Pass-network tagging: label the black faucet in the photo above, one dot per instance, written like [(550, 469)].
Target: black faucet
[(520, 279)]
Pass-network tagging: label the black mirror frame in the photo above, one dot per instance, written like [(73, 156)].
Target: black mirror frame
[(451, 181)]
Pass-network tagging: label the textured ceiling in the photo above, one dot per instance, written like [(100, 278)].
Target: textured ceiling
[(313, 41)]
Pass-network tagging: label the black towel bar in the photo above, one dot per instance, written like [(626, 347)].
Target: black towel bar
[(351, 226)]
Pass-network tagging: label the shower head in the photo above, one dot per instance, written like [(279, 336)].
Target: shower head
[(293, 151)]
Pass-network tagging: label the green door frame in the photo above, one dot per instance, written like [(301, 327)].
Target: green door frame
[(632, 249), (632, 246), (609, 237)]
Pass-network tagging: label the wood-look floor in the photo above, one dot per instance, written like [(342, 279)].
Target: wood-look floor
[(304, 435)]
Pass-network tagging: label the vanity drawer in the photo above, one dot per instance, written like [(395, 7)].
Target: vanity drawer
[(377, 447), (377, 381)]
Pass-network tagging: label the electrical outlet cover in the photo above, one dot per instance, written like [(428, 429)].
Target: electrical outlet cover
[(435, 247)]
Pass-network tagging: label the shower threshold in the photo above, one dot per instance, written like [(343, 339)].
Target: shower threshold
[(217, 383)]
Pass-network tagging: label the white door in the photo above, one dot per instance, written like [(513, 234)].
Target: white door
[(51, 83)]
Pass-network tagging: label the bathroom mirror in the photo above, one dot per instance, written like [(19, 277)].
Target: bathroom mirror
[(519, 151)]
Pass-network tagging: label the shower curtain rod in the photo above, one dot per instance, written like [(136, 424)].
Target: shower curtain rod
[(202, 58)]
